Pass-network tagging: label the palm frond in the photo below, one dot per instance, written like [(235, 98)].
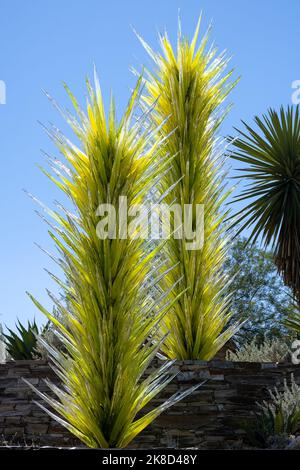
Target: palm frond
[(293, 322), (271, 158)]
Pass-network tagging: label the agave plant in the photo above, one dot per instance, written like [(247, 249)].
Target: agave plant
[(109, 321), (187, 90), (271, 153), (22, 346)]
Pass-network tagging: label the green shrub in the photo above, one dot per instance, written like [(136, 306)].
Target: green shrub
[(23, 345), (284, 408), (278, 419), (271, 350), (260, 300)]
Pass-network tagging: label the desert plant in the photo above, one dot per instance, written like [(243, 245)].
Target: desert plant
[(23, 345), (270, 350), (186, 91), (282, 412), (109, 321), (277, 420), (271, 154)]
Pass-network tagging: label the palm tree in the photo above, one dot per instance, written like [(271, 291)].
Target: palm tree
[(271, 154)]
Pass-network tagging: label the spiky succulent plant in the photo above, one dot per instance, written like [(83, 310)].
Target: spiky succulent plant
[(22, 345)]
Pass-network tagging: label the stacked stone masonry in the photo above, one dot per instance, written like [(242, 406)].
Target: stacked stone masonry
[(211, 417)]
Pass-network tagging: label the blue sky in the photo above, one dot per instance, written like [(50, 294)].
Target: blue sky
[(43, 43)]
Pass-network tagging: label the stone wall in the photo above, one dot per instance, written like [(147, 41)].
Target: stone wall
[(210, 418)]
